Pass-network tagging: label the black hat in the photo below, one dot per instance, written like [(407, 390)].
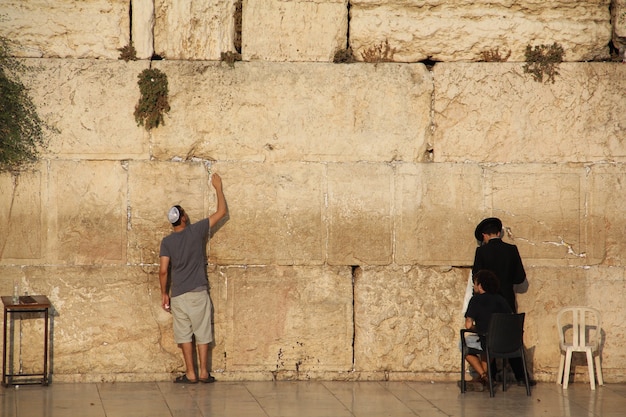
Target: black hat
[(490, 221)]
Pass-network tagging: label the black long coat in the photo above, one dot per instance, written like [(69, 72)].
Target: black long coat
[(504, 260)]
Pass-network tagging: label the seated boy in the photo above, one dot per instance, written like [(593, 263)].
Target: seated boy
[(482, 305)]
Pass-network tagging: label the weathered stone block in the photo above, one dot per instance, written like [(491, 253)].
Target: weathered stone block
[(278, 30), (407, 319), (142, 29), (607, 226), (291, 229), (360, 218), (542, 208), (437, 207), (463, 30), (296, 319), (90, 106), (194, 29), (66, 28), (107, 322), (22, 218), (295, 112), (86, 211), (497, 113)]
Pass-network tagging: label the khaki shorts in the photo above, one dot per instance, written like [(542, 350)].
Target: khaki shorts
[(192, 316)]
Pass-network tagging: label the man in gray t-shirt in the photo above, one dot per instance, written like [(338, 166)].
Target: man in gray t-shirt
[(183, 255)]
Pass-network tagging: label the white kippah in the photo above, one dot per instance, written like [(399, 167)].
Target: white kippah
[(173, 215)]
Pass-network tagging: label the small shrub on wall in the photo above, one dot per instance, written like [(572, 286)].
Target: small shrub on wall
[(153, 102), (21, 129), (542, 61)]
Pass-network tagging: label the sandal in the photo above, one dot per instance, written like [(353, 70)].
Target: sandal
[(484, 379), (184, 380), (208, 380)]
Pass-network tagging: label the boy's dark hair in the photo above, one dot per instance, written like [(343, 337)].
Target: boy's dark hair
[(488, 280)]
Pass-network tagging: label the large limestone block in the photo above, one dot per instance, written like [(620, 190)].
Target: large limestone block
[(86, 212), (293, 30), (607, 228), (154, 187), (415, 30), (89, 104), (107, 323), (497, 113), (66, 28), (142, 29), (295, 112), (606, 288), (542, 208), (294, 320), (407, 320), (194, 30), (23, 234), (437, 207), (360, 217), (276, 214)]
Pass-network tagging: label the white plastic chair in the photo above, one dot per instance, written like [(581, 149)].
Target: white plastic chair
[(580, 330)]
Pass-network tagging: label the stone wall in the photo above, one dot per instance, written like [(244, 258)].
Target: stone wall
[(353, 189)]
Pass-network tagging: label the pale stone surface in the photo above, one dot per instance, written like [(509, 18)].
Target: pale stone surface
[(288, 319), (276, 214), (543, 211), (143, 27), (462, 30), (408, 319), (360, 217), (89, 105), (352, 184), (437, 207), (106, 321), (497, 113), (295, 112), (86, 212), (293, 30), (607, 226), (66, 28), (23, 238), (194, 30)]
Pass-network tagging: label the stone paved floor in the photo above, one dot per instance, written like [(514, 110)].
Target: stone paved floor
[(306, 399)]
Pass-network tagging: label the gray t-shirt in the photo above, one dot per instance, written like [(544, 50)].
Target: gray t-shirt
[(186, 250)]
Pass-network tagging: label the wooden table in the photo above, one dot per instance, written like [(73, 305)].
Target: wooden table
[(27, 304)]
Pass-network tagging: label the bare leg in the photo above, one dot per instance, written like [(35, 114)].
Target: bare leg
[(187, 349), (203, 360), (476, 363)]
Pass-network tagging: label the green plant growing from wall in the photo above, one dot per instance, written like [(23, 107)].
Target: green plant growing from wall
[(21, 129), (153, 102), (542, 61), (128, 52)]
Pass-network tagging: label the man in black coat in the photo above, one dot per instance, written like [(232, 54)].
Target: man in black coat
[(501, 258), (504, 260)]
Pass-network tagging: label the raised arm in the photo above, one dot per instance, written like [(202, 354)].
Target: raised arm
[(221, 210)]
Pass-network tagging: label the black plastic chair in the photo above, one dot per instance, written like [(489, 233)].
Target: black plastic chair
[(465, 350), (505, 339)]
